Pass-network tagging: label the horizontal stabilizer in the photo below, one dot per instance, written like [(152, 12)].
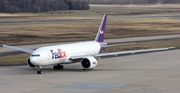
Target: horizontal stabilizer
[(119, 44)]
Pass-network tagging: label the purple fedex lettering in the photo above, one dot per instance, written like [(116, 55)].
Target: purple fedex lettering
[(59, 54), (55, 55)]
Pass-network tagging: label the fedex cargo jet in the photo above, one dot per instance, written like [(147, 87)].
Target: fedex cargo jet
[(87, 53)]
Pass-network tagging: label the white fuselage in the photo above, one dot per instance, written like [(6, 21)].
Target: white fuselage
[(60, 54)]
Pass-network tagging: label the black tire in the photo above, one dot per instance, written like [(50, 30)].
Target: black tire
[(54, 67), (39, 72), (58, 67), (61, 67)]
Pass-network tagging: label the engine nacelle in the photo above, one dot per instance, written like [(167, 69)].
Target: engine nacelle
[(88, 62), (29, 63)]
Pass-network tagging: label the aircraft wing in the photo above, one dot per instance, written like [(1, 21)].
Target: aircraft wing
[(131, 52), (122, 53), (19, 49)]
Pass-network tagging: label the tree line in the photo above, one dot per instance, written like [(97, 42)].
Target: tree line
[(15, 6), (133, 1)]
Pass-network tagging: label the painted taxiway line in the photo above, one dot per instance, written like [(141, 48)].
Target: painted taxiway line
[(46, 80)]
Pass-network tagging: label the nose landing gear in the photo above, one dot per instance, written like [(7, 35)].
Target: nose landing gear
[(39, 70)]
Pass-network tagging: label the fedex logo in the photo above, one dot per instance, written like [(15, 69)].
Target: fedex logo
[(59, 54), (102, 32)]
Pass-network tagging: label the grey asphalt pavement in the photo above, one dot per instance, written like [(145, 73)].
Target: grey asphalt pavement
[(156, 72)]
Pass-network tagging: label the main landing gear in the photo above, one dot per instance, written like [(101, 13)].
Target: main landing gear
[(58, 66)]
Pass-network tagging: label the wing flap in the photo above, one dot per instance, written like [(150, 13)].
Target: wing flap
[(19, 49)]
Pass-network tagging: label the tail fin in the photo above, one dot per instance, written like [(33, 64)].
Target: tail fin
[(101, 31)]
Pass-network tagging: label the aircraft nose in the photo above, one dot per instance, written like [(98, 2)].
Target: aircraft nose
[(34, 61)]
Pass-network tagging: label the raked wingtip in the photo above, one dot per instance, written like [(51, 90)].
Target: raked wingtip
[(171, 47)]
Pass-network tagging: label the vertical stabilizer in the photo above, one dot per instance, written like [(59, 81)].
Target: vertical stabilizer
[(101, 31)]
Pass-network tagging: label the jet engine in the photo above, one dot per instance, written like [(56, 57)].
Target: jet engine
[(88, 62), (29, 63)]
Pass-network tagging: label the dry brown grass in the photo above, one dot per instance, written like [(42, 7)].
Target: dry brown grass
[(117, 10), (56, 32), (139, 5), (143, 27), (15, 59), (146, 45)]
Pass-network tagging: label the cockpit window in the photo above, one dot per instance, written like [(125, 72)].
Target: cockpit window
[(35, 55)]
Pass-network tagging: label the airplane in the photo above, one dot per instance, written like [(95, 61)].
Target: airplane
[(87, 53)]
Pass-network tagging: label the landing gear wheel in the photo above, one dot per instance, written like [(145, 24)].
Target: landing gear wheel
[(61, 66), (58, 66), (39, 71)]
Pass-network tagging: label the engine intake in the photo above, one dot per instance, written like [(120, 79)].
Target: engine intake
[(29, 63), (88, 62)]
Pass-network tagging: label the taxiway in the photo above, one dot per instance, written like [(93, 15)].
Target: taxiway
[(156, 72)]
